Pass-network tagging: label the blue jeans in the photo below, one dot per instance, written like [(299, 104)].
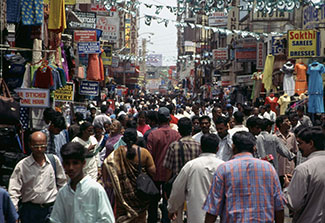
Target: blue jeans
[(29, 212)]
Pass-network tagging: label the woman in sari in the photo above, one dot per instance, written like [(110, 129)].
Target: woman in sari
[(114, 137), (120, 172)]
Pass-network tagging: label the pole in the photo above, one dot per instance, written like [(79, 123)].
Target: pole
[(144, 66)]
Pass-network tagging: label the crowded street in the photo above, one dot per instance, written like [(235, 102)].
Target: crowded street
[(162, 111)]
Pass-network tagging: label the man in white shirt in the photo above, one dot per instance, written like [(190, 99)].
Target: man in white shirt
[(270, 112), (36, 181), (239, 118), (225, 151), (193, 182), (82, 200), (205, 123)]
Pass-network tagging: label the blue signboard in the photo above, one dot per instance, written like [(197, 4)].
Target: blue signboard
[(88, 47), (90, 88)]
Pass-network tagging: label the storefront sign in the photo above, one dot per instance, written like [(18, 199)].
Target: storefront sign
[(84, 36), (34, 97), (115, 61), (260, 55), (109, 26), (107, 55), (278, 45), (245, 50), (90, 88), (220, 54), (245, 79), (303, 43), (88, 20), (127, 33), (218, 19), (65, 93), (313, 17), (88, 47)]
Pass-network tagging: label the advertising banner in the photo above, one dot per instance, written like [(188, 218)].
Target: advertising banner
[(88, 47), (127, 33), (65, 93), (303, 43), (84, 36), (260, 55), (34, 97), (218, 19), (90, 88), (313, 17), (107, 54), (220, 54), (88, 20), (110, 27), (279, 45)]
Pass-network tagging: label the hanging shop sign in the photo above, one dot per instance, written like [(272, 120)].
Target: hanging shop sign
[(260, 55), (34, 97), (65, 93), (279, 45), (313, 17), (303, 43), (107, 55), (245, 79), (88, 47), (84, 36), (219, 19), (110, 27), (90, 88), (245, 50), (88, 20), (220, 54), (127, 33)]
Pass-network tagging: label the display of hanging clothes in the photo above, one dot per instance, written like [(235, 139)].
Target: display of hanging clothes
[(315, 87), (267, 72), (301, 78), (13, 11), (43, 77), (64, 63), (57, 19), (93, 69), (288, 79), (284, 102), (272, 101), (32, 12), (257, 86)]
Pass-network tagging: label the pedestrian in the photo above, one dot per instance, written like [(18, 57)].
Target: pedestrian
[(305, 191), (225, 142), (304, 119), (239, 118), (82, 200), (152, 119), (245, 189), (193, 182), (8, 212), (101, 118), (142, 126), (205, 123), (35, 182)]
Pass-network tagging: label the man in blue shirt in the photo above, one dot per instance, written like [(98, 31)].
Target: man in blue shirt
[(8, 211)]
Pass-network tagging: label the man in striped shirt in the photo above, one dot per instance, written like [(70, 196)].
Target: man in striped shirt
[(245, 189)]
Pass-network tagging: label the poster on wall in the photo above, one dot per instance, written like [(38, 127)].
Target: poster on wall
[(34, 97), (303, 43)]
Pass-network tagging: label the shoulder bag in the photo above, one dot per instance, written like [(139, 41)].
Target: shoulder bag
[(9, 108)]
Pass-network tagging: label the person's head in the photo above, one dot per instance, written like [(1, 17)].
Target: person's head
[(195, 125), (163, 115), (73, 156), (38, 144), (142, 117), (255, 111), (266, 125), (243, 142), (239, 118), (48, 115), (311, 139), (184, 126), (283, 123), (86, 130), (216, 112), (78, 117), (123, 119), (196, 109), (98, 130), (152, 118), (268, 107), (294, 118), (171, 108), (115, 128), (209, 143), (93, 110), (222, 126), (205, 123), (103, 109), (107, 126), (231, 122), (132, 124), (130, 137), (300, 111), (262, 109), (57, 124), (254, 125)]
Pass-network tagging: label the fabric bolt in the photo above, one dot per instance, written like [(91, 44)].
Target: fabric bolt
[(13, 11), (158, 143), (32, 12), (225, 151), (192, 185), (31, 182), (284, 102), (272, 101), (306, 191), (315, 88), (173, 160), (301, 78), (245, 189), (88, 203), (267, 73), (8, 211), (57, 19)]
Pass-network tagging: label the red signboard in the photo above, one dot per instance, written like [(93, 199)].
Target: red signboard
[(246, 54), (220, 54), (259, 56), (85, 36)]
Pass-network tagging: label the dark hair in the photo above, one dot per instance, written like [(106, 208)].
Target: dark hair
[(103, 108), (204, 117), (184, 126), (314, 134), (121, 117), (253, 122), (265, 123), (98, 126), (48, 114), (153, 116), (195, 117), (298, 129), (130, 137), (239, 117), (244, 141), (222, 120), (58, 121), (142, 113), (171, 107), (267, 106), (209, 143), (280, 119), (131, 124), (292, 116), (83, 127), (79, 116), (73, 150), (301, 108)]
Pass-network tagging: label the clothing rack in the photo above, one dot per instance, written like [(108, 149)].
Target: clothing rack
[(6, 48)]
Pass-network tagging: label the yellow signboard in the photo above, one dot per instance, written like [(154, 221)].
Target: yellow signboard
[(107, 55), (65, 93), (303, 43)]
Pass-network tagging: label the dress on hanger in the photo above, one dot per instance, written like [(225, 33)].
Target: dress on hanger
[(315, 88), (272, 101), (288, 80), (284, 101), (301, 78), (267, 73)]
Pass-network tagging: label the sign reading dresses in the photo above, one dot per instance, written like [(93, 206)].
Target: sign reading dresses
[(303, 43), (88, 20), (88, 47), (90, 88), (65, 93), (110, 27), (34, 97)]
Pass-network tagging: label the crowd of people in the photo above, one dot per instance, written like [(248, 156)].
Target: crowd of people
[(230, 163)]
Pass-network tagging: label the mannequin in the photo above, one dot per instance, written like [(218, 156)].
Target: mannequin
[(284, 101), (288, 80), (272, 100), (301, 78), (315, 87)]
